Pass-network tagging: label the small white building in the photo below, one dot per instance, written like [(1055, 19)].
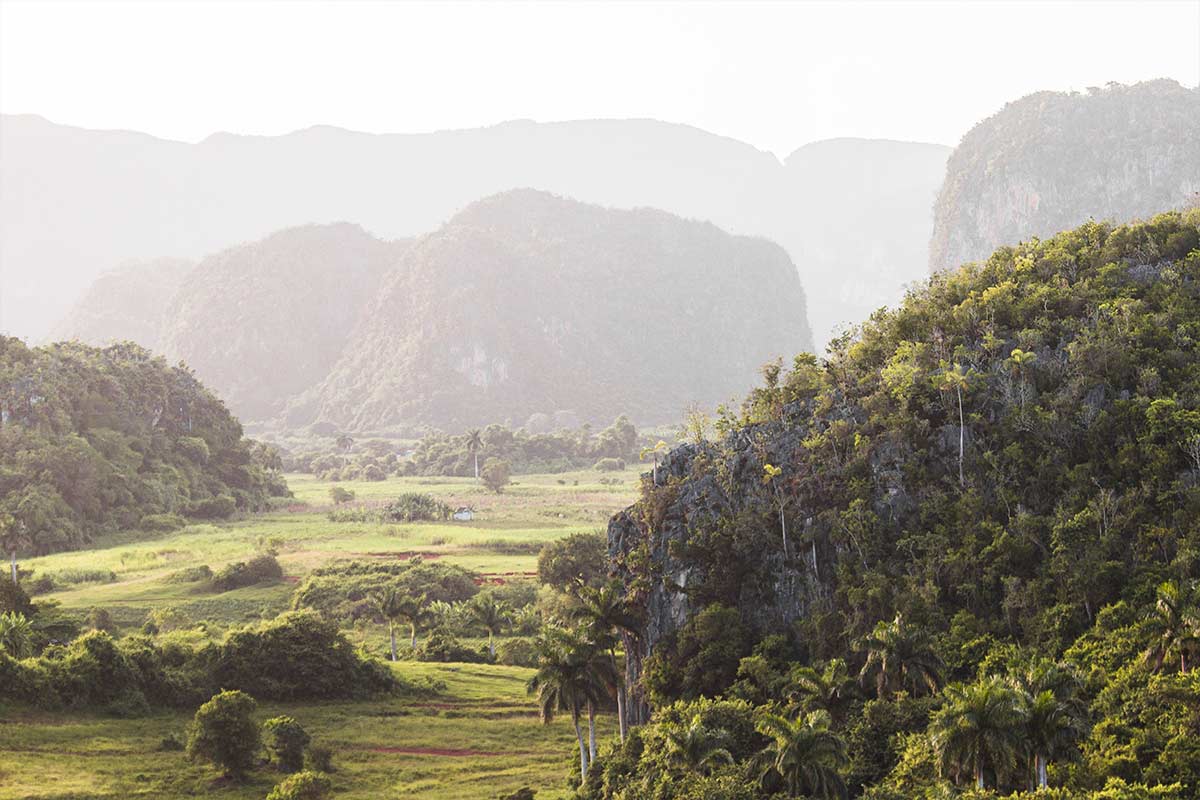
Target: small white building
[(464, 514)]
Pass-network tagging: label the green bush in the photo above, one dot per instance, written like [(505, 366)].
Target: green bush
[(609, 465), (190, 575), (319, 758), (302, 786), (13, 598), (162, 523), (259, 569), (221, 506), (415, 507), (518, 652), (442, 645), (223, 733), (286, 740)]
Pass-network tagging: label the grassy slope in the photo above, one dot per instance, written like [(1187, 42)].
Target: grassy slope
[(485, 708)]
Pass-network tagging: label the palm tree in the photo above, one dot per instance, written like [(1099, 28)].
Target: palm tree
[(805, 754), (474, 445), (978, 730), (1053, 711), (16, 635), (398, 606), (959, 381), (829, 689), (562, 683), (770, 473), (492, 615), (900, 656), (697, 747), (13, 537), (605, 615), (1176, 625)]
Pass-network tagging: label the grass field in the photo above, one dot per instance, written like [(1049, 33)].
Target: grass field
[(480, 737)]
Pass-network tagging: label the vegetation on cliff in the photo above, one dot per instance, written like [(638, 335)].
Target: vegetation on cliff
[(965, 546)]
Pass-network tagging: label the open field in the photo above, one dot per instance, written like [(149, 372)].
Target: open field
[(477, 738)]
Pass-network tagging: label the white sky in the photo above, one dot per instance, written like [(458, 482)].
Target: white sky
[(776, 75)]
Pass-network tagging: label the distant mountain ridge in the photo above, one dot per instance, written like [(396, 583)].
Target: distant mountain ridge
[(523, 303), (1053, 160), (76, 202)]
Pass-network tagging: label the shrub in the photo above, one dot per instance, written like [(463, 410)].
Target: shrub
[(99, 619), (517, 653), (171, 743), (190, 575), (415, 507), (297, 656), (339, 590), (443, 646), (259, 569), (302, 786), (162, 523), (339, 495), (319, 758), (286, 740), (223, 732), (609, 465), (13, 598), (221, 506)]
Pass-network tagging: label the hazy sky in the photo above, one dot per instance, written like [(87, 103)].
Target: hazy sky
[(776, 75)]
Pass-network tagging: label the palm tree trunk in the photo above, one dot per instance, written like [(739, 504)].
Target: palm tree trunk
[(392, 634), (1043, 775), (583, 751), (412, 629), (783, 526), (962, 431), (491, 644), (1182, 662), (979, 776), (592, 730), (476, 465), (816, 567)]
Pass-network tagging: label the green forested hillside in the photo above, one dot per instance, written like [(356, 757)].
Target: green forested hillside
[(98, 440), (961, 551)]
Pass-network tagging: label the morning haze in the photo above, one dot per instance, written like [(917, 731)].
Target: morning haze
[(600, 400)]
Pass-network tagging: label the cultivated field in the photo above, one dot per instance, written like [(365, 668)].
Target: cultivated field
[(478, 737)]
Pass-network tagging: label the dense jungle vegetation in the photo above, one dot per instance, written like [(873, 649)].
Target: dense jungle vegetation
[(98, 440), (959, 557)]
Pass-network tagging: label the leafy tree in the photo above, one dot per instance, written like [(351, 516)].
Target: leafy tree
[(979, 730), (224, 733), (340, 495), (805, 754), (900, 657), (286, 739), (576, 558), (830, 689), (496, 474)]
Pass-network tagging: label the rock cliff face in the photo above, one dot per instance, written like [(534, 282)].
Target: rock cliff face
[(1051, 161)]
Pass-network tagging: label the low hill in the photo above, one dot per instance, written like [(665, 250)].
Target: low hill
[(1051, 160), (261, 322), (530, 303), (100, 440), (126, 304)]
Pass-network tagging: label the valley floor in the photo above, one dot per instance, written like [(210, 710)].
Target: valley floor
[(479, 737)]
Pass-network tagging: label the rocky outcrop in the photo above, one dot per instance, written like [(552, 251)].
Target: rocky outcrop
[(1052, 160)]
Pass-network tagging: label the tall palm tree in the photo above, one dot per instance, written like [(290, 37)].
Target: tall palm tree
[(16, 635), (605, 615), (562, 683), (900, 657), (829, 689), (805, 754), (1176, 625), (399, 606), (492, 615), (959, 381), (697, 747), (1054, 713), (474, 445), (978, 730)]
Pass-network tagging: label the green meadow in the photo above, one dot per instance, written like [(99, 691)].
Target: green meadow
[(475, 738)]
